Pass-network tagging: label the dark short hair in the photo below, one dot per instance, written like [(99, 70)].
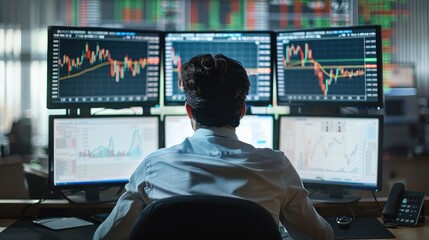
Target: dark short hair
[(215, 88)]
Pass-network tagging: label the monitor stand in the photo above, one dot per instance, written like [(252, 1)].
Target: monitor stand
[(334, 195), (93, 195)]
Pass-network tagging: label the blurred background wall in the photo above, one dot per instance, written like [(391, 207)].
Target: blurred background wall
[(23, 39)]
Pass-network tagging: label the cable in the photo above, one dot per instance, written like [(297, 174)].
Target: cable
[(41, 199), (353, 213), (376, 201), (65, 197)]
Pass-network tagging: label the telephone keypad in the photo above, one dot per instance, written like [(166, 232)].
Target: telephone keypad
[(410, 208)]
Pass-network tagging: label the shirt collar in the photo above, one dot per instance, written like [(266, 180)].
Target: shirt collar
[(216, 131)]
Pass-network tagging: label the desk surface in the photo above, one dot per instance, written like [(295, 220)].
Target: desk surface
[(419, 232), (26, 229), (11, 209), (6, 222)]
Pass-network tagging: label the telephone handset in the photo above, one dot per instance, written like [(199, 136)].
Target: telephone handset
[(403, 208)]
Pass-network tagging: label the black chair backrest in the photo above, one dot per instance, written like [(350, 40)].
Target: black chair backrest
[(205, 217)]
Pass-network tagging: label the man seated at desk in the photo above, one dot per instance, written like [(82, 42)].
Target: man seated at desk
[(213, 161)]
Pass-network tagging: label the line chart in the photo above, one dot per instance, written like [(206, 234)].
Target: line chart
[(244, 52), (252, 49), (325, 67), (102, 57), (322, 148), (104, 68), (322, 153), (109, 151)]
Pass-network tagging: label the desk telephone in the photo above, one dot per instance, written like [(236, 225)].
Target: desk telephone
[(403, 208)]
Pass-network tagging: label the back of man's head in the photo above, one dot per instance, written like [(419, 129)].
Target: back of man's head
[(215, 88)]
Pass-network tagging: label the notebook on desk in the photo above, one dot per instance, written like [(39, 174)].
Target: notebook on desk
[(58, 223), (26, 229)]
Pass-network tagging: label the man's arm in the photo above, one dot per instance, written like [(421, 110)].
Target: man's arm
[(298, 214), (303, 222), (120, 221)]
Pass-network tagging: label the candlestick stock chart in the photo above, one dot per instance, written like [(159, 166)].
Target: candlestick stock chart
[(329, 67), (107, 68)]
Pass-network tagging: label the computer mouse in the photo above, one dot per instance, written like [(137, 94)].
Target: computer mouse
[(344, 221)]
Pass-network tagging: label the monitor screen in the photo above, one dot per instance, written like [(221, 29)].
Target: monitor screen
[(343, 151), (401, 109), (99, 150), (103, 67), (257, 130), (252, 49), (401, 80), (339, 66)]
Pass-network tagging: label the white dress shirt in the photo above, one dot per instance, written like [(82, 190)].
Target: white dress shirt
[(213, 161)]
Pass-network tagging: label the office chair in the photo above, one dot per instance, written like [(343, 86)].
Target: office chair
[(205, 217), (13, 184)]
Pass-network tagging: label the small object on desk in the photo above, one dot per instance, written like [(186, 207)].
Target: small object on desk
[(57, 223), (283, 233), (363, 228), (344, 221)]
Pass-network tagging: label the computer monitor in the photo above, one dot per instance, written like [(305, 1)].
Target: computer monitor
[(401, 109), (257, 130), (103, 67), (338, 66), (401, 80), (98, 151), (334, 152), (176, 129), (252, 49)]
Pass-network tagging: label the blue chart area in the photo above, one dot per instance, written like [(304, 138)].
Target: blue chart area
[(245, 53), (89, 68), (111, 151), (324, 67)]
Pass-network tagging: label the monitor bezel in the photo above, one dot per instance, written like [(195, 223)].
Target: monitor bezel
[(325, 184), (115, 105), (88, 184), (272, 59), (359, 104)]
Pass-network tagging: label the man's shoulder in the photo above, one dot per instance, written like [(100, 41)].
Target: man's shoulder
[(163, 151), (268, 152)]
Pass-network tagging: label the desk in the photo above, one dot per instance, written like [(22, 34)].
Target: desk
[(401, 233), (421, 232), (11, 209), (6, 222), (26, 229)]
